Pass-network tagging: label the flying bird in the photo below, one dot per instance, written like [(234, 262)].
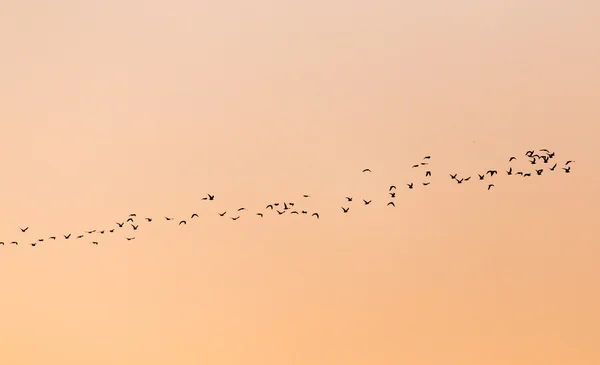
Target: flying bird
[(490, 186), (130, 220), (453, 176), (481, 177), (567, 170), (182, 222), (67, 236), (52, 237), (239, 210), (512, 158), (14, 243), (349, 198), (316, 215), (428, 173), (415, 166), (80, 236), (410, 186), (426, 157), (366, 202), (280, 212), (492, 172), (132, 215), (135, 227), (33, 244), (259, 214), (222, 214), (426, 183), (149, 219), (235, 218), (294, 212), (194, 215), (24, 229), (392, 187), (391, 203), (393, 194), (568, 162), (130, 238), (366, 170), (553, 167), (95, 243), (167, 218), (509, 171), (270, 206), (120, 224), (539, 172), (345, 209), (306, 196)]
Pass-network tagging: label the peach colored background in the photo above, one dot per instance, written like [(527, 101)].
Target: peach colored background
[(114, 107)]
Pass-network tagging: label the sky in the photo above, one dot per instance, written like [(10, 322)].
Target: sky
[(109, 108)]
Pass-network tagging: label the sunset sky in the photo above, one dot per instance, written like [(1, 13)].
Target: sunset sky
[(115, 107)]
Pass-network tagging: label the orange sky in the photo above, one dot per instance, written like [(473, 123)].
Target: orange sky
[(114, 107)]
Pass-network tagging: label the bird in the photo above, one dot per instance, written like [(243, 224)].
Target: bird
[(304, 212), (149, 219), (133, 215), (453, 176), (391, 203), (529, 153), (316, 215), (306, 196), (235, 218), (512, 158), (366, 202), (101, 232), (2, 243), (519, 173), (459, 181), (539, 172), (280, 212), (426, 157), (129, 219), (95, 243), (211, 197), (568, 162), (490, 186), (415, 166), (168, 218), (194, 215), (52, 237), (428, 173), (14, 243), (492, 172), (533, 161), (567, 170), (509, 171), (130, 238), (239, 210), (294, 212), (24, 229), (467, 178), (393, 194), (182, 222), (392, 187), (410, 186), (545, 158), (80, 236), (345, 209), (366, 170), (90, 232), (481, 177), (349, 198), (120, 224), (553, 167), (112, 230), (41, 240), (424, 163), (527, 174), (426, 183), (67, 236), (33, 244), (222, 214), (134, 227), (270, 206), (259, 214)]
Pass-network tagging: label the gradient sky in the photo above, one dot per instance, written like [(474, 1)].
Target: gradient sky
[(114, 107)]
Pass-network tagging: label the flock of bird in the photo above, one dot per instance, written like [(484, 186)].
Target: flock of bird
[(543, 157)]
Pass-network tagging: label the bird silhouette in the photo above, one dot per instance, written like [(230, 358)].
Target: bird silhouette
[(259, 214), (149, 219), (492, 172), (426, 157), (80, 236), (366, 170), (345, 209), (415, 166), (367, 202), (2, 243), (533, 161), (509, 171), (14, 243), (67, 236), (481, 177), (120, 224), (24, 229), (194, 215), (133, 215), (568, 162), (239, 210), (490, 186), (316, 215), (349, 199), (222, 214), (304, 212), (511, 159), (52, 237), (391, 203), (95, 243), (539, 172), (280, 212), (428, 173), (410, 186), (33, 244), (130, 238), (393, 194), (392, 187), (567, 170), (553, 167), (453, 176), (130, 220), (134, 227), (182, 222), (426, 183), (169, 218), (235, 218), (294, 212), (306, 196)]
